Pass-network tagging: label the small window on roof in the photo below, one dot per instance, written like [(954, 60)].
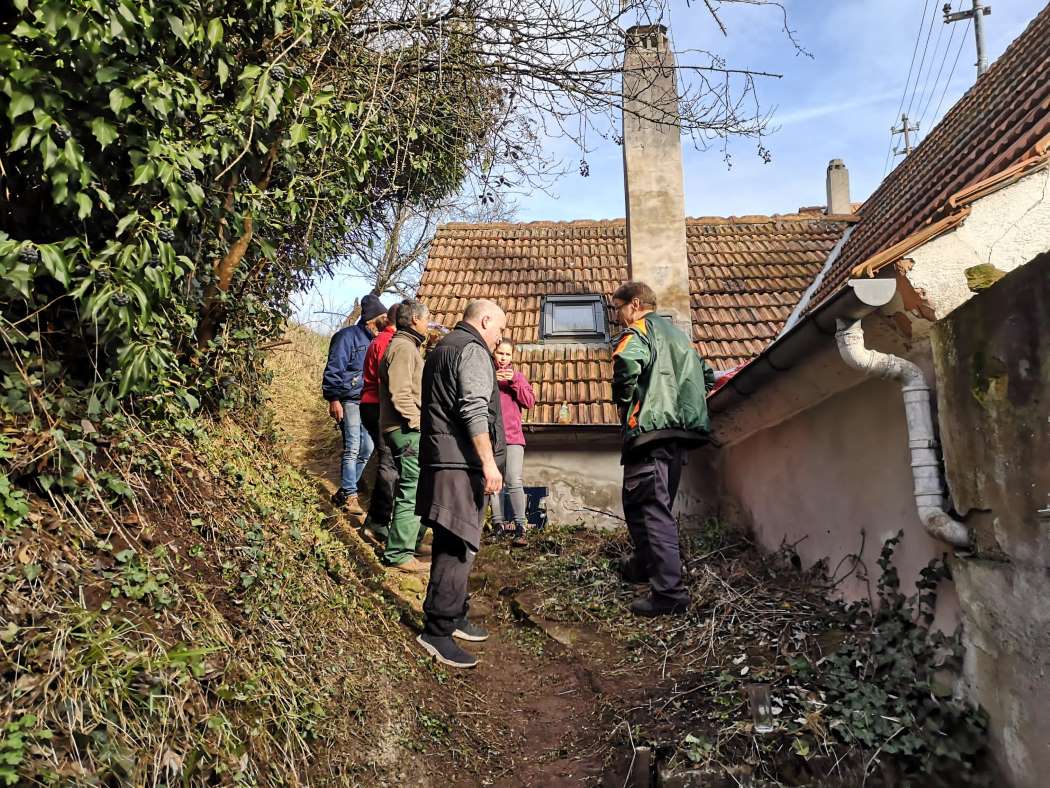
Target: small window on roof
[(573, 317)]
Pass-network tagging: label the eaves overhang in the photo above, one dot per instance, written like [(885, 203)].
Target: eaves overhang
[(856, 301)]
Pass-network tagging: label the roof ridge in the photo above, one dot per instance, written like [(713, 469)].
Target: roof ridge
[(751, 218)]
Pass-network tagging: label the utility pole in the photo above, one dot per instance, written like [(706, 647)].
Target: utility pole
[(906, 130), (977, 14)]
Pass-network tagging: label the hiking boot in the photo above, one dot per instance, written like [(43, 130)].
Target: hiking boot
[(446, 651), (649, 607), (467, 630), (373, 533), (519, 539), (340, 497), (412, 566), (353, 505), (632, 571)]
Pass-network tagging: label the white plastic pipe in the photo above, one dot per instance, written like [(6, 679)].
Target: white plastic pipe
[(925, 467)]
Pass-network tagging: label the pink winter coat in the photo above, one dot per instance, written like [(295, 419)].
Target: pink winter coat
[(514, 396)]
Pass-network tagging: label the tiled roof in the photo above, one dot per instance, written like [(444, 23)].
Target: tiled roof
[(746, 273), (996, 124)]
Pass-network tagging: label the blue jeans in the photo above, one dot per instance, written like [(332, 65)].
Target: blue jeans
[(357, 447)]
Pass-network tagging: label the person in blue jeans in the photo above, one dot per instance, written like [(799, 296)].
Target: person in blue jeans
[(341, 386)]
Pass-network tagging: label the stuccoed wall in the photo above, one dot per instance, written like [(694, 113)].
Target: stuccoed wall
[(1005, 229), (993, 366), (582, 471), (835, 480)]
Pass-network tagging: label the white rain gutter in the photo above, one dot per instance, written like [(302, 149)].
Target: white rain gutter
[(925, 467)]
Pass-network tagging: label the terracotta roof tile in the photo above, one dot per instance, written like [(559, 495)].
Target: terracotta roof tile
[(746, 273), (995, 125)]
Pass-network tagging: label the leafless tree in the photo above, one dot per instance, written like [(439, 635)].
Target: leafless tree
[(521, 71), (389, 251)]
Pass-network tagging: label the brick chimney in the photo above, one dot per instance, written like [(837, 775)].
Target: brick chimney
[(838, 188), (652, 169)]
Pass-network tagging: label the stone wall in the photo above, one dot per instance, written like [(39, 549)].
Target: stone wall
[(992, 357)]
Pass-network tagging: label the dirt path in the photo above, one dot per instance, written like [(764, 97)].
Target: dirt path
[(533, 712), (569, 684)]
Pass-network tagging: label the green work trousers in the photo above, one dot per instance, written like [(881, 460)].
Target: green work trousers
[(405, 532)]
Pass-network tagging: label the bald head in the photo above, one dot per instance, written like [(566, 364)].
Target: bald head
[(487, 317)]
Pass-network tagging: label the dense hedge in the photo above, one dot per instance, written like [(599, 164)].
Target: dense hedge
[(172, 170)]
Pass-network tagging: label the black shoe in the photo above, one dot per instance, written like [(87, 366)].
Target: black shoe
[(467, 630), (445, 651), (340, 497), (631, 571), (648, 607)]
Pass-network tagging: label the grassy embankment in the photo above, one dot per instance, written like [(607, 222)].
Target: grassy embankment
[(195, 621)]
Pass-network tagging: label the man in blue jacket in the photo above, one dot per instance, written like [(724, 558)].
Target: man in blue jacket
[(341, 387)]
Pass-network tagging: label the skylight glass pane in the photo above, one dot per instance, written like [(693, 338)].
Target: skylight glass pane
[(574, 318)]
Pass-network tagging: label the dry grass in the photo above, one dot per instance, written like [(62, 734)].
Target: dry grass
[(217, 634), (309, 437)]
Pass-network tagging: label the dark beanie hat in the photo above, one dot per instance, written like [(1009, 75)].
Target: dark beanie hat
[(371, 307)]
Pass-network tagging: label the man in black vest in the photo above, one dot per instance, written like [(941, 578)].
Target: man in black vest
[(462, 449)]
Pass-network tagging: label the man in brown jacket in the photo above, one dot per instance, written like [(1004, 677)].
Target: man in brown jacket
[(400, 393)]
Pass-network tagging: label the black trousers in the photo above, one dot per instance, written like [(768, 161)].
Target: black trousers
[(381, 505), (450, 566), (650, 484)]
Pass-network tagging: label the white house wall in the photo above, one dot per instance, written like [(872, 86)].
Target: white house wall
[(1005, 229)]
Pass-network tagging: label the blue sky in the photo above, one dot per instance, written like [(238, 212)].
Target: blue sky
[(838, 104)]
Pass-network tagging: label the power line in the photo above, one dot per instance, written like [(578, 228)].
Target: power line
[(962, 43), (937, 79), (926, 89), (922, 61), (907, 81)]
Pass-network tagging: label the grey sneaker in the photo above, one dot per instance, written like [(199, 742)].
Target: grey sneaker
[(466, 630), (446, 651)]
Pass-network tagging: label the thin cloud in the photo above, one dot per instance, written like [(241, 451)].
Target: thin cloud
[(832, 108)]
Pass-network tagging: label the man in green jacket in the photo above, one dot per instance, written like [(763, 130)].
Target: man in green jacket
[(660, 386)]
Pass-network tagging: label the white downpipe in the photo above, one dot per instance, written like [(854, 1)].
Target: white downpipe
[(925, 467)]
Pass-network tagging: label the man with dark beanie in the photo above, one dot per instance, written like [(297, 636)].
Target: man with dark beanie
[(341, 386), (462, 449), (381, 503), (660, 386)]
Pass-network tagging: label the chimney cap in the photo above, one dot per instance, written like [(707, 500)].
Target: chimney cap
[(655, 35), (836, 163)]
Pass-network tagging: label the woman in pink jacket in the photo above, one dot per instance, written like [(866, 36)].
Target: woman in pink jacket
[(515, 395)]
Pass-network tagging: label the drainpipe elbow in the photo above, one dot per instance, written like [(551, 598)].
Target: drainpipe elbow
[(940, 525)]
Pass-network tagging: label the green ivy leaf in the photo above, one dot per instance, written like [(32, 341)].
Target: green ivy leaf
[(298, 133), (104, 131), (118, 101), (106, 74), (20, 138), (84, 205), (214, 31), (54, 262), (126, 222), (178, 27), (143, 173), (20, 103)]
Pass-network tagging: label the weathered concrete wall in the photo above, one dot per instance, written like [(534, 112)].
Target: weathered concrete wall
[(993, 365), (1006, 229), (582, 471), (826, 475)]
